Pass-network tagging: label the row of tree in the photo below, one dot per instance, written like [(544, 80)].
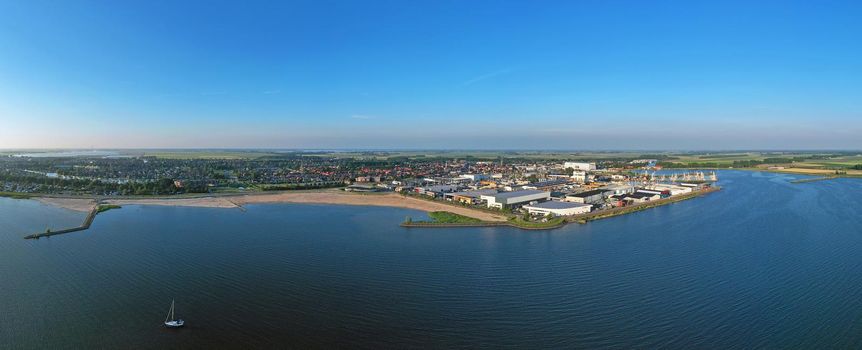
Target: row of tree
[(44, 184)]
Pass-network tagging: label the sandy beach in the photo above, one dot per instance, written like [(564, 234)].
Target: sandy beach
[(204, 202), (386, 200), (76, 204), (313, 197)]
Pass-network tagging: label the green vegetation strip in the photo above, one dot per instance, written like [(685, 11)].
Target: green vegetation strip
[(452, 218), (448, 219), (551, 223), (105, 207), (16, 195)]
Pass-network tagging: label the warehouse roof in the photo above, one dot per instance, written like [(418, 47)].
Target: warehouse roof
[(476, 193), (558, 205), (514, 194), (640, 195), (588, 193), (548, 183)]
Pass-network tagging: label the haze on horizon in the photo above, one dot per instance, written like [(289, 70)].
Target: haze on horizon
[(436, 74)]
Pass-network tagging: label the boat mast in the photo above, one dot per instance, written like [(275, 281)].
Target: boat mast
[(170, 312)]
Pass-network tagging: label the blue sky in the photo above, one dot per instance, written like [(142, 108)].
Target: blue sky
[(431, 74)]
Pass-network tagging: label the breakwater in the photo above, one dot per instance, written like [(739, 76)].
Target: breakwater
[(801, 181), (85, 225)]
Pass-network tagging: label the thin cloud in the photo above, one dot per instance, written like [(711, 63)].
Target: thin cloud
[(271, 92), (213, 93), (362, 117), (487, 76)]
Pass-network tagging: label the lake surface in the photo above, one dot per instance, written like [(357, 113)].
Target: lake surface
[(762, 263)]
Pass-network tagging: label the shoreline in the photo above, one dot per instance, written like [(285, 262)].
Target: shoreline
[(829, 173), (486, 219), (300, 197)]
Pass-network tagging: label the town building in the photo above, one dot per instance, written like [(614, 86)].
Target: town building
[(558, 208), (579, 166)]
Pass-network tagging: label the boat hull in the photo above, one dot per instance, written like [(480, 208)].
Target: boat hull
[(175, 324)]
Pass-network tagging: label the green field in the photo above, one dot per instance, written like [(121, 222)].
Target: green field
[(798, 159), (480, 155), (723, 159), (192, 154)]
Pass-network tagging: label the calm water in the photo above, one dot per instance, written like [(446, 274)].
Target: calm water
[(762, 263)]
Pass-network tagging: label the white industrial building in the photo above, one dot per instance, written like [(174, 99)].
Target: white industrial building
[(619, 189), (579, 166), (579, 176), (558, 208), (509, 199), (435, 190), (649, 191), (639, 197), (589, 197), (474, 177), (673, 189), (469, 197)]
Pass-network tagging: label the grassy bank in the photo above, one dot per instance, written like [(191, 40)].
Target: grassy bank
[(445, 217), (555, 222), (16, 195)]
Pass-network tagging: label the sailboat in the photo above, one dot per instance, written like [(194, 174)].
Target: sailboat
[(171, 321)]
